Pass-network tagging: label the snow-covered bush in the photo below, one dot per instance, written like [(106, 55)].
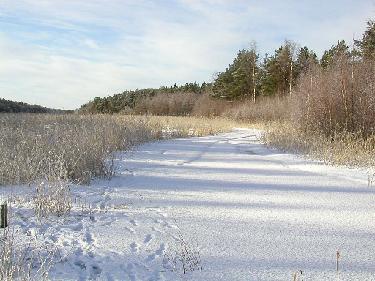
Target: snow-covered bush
[(24, 259), (52, 199), (183, 257)]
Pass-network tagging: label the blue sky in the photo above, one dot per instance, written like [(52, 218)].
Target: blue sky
[(62, 53)]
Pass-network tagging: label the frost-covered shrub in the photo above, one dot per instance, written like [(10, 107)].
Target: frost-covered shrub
[(52, 199), (22, 258), (183, 257)]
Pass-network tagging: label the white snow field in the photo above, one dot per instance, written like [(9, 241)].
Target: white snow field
[(250, 212)]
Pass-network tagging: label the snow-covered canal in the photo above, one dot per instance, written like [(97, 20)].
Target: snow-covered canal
[(252, 214)]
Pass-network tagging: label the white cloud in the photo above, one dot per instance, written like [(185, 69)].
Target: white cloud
[(63, 53)]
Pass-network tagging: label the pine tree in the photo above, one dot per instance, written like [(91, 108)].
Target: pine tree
[(278, 75), (305, 60), (238, 81), (337, 52), (367, 44)]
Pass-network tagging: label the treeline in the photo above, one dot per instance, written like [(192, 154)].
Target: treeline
[(7, 106), (136, 101), (248, 79), (331, 112)]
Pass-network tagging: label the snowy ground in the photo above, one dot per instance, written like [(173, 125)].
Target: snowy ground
[(251, 212)]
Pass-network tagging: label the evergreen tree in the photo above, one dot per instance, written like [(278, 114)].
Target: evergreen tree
[(367, 44), (337, 52), (305, 59), (267, 78), (279, 71), (238, 80)]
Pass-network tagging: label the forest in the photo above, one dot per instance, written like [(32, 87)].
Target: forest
[(7, 106), (248, 78)]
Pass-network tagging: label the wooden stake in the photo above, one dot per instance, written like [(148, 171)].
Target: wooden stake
[(337, 261), (3, 215)]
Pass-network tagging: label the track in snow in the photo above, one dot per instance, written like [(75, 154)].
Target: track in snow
[(255, 214)]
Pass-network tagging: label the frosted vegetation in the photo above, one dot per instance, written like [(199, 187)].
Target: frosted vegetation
[(78, 148), (222, 207)]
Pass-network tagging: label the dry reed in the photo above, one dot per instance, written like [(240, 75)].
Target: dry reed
[(76, 148)]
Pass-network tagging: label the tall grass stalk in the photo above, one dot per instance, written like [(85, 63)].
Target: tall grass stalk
[(76, 148)]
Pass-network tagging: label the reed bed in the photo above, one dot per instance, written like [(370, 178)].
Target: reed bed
[(332, 115), (76, 148), (342, 149)]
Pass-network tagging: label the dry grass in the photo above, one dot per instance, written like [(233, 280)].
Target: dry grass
[(172, 126), (68, 147), (332, 115), (208, 106), (76, 148), (346, 149), (266, 109), (176, 104)]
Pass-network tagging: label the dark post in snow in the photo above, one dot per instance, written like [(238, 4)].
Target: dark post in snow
[(3, 215)]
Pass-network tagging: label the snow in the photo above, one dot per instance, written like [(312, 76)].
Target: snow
[(245, 211)]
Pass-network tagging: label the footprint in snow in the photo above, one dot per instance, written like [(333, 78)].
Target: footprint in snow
[(77, 227), (133, 222), (147, 239), (164, 215), (90, 254), (157, 221), (54, 238), (80, 264), (102, 205), (166, 225), (88, 237), (134, 247), (131, 230), (161, 250), (95, 272), (157, 253), (154, 229)]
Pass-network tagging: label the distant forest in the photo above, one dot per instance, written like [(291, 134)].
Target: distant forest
[(249, 77), (7, 106)]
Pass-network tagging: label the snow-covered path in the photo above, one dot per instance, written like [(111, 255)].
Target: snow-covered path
[(251, 212)]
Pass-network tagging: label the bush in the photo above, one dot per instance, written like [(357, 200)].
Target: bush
[(265, 109), (332, 115), (340, 99), (172, 104), (52, 199), (207, 106), (21, 259)]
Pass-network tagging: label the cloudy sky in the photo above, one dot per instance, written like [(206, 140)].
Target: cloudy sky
[(62, 53)]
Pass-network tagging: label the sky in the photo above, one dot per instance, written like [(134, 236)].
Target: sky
[(63, 53)]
